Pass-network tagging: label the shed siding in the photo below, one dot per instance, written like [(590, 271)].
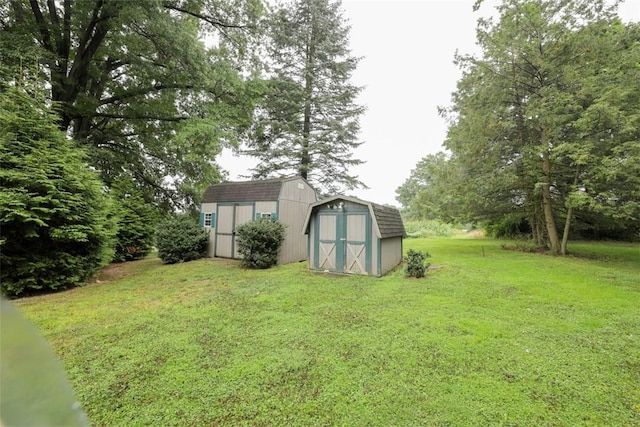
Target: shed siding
[(311, 250), (212, 209), (390, 253), (294, 247), (297, 190), (271, 207)]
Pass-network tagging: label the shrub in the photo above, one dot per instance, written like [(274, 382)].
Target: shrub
[(259, 242), (180, 239), (137, 222), (508, 227), (56, 221), (416, 266)]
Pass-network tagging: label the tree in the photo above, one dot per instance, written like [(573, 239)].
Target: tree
[(136, 85), (431, 190), (307, 123), (55, 220), (137, 221), (530, 116)]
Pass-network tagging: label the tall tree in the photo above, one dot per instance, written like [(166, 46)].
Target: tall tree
[(308, 122), (530, 114), (136, 84)]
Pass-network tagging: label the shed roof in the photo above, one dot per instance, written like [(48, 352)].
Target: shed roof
[(386, 219), (389, 221), (244, 191)]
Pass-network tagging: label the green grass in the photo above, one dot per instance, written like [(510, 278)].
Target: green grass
[(491, 337)]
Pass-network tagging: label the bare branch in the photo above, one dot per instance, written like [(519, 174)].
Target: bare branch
[(42, 25), (140, 117), (209, 19), (143, 91)]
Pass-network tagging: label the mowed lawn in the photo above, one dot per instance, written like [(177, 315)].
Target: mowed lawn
[(490, 337)]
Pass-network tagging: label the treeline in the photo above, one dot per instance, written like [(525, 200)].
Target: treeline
[(544, 128), (113, 114)]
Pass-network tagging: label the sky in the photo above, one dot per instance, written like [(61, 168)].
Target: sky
[(407, 72)]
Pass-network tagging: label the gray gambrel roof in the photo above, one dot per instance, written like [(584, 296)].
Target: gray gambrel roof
[(386, 219), (244, 191), (389, 221)]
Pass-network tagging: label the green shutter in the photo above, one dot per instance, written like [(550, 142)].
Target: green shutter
[(201, 219), (274, 216), (258, 216), (213, 220)]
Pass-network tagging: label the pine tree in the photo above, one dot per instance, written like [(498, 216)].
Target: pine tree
[(307, 123)]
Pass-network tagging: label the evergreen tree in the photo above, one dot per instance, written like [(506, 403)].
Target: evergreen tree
[(55, 220), (137, 221), (307, 124)]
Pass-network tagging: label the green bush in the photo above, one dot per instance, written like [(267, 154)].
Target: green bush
[(180, 239), (416, 265), (508, 227), (259, 242), (56, 222)]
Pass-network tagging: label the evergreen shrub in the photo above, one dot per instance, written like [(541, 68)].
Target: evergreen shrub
[(56, 222), (416, 265), (180, 239), (137, 222), (259, 242)]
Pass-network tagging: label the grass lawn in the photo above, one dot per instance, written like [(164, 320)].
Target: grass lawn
[(491, 337)]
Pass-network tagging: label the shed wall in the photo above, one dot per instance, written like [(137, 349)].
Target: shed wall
[(295, 197), (311, 250), (210, 208), (271, 207), (390, 253)]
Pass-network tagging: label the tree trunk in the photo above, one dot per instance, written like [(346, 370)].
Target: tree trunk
[(305, 157), (546, 197), (567, 223), (565, 234)]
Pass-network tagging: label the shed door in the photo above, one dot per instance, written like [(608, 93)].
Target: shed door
[(356, 243), (342, 245), (328, 242), (229, 217)]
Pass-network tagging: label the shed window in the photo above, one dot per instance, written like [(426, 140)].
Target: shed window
[(207, 220), (272, 216)]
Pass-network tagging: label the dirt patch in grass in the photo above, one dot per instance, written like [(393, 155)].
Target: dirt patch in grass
[(526, 248), (112, 272)]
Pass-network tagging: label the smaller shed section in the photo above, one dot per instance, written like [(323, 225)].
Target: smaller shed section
[(349, 235), (229, 204)]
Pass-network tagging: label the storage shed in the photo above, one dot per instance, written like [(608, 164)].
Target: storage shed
[(349, 235), (227, 205)]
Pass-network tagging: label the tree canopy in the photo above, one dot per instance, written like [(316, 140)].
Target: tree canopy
[(544, 123), (137, 85)]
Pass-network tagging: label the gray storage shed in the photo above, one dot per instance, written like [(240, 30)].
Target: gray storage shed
[(227, 205), (349, 235)]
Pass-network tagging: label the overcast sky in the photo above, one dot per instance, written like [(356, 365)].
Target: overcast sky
[(407, 71)]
